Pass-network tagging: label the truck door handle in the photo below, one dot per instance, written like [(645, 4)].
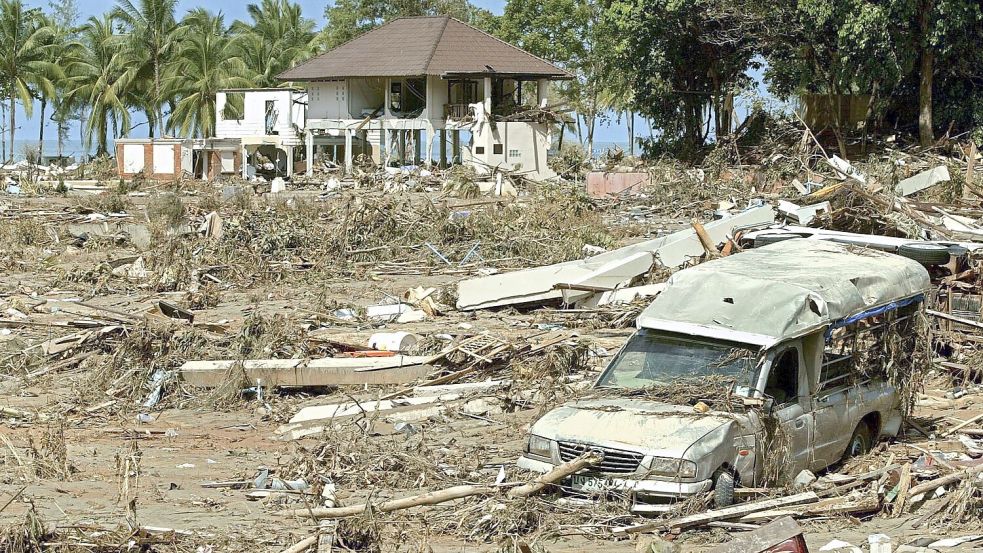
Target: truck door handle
[(800, 424)]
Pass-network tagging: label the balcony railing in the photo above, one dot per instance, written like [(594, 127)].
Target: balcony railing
[(457, 111)]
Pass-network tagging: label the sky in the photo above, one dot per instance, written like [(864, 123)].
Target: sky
[(27, 128)]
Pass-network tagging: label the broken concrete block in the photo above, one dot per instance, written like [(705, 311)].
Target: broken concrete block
[(923, 180), (610, 269), (803, 214), (600, 184)]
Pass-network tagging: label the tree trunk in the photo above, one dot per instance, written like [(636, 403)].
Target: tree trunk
[(102, 149), (158, 108), (13, 120), (925, 134), (44, 104), (631, 132)]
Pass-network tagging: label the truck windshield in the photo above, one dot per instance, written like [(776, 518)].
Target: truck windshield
[(650, 358)]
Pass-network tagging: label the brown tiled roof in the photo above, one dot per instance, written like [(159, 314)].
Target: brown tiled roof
[(413, 46)]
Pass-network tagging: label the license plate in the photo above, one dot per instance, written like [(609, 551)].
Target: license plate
[(589, 484)]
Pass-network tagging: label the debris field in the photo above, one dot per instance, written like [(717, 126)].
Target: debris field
[(196, 368)]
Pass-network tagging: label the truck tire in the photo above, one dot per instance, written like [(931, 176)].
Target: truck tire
[(861, 442), (925, 253), (723, 489)]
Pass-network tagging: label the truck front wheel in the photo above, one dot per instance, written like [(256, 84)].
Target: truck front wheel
[(723, 489)]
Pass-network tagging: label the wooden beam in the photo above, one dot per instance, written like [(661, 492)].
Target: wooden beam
[(331, 371), (714, 515)]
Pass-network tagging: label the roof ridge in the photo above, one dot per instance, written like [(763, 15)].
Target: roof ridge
[(436, 42), (509, 44), (353, 39)]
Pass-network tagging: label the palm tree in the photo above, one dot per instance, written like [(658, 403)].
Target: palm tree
[(25, 59), (206, 63), (278, 38), (151, 27), (101, 75)]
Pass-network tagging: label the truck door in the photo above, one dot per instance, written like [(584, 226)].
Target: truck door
[(787, 386)]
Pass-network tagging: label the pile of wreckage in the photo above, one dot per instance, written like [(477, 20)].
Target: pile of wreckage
[(412, 413)]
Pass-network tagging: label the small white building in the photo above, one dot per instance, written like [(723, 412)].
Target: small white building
[(416, 84), (266, 121)]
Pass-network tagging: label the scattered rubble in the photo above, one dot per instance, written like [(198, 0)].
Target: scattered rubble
[(372, 353)]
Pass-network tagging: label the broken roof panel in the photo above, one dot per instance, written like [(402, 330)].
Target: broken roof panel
[(783, 290), (414, 46)]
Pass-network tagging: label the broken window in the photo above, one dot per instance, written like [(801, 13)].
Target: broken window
[(783, 379), (650, 358), (396, 96), (271, 117), (235, 105), (497, 149), (867, 348)]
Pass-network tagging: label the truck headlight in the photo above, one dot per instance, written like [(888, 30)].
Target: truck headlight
[(668, 466), (539, 446)]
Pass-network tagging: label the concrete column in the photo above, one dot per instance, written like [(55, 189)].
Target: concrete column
[(244, 162), (382, 143), (443, 148), (290, 160), (542, 91), (456, 146), (418, 147), (402, 147), (348, 151), (309, 154), (488, 95), (385, 110), (205, 159)]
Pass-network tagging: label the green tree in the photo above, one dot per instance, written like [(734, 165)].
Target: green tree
[(151, 26), (575, 35), (206, 62), (64, 16), (25, 59), (101, 74), (832, 47), (346, 19), (682, 62), (277, 38)]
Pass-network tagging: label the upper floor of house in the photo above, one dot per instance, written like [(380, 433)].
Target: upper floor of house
[(264, 112), (423, 69)]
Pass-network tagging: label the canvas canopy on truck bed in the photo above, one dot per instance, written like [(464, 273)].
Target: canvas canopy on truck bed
[(782, 290)]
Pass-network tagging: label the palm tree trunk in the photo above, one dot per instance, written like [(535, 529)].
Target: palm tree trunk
[(103, 148), (157, 98), (13, 120), (44, 104)]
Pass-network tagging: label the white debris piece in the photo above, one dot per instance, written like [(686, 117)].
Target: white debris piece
[(923, 180), (843, 167)]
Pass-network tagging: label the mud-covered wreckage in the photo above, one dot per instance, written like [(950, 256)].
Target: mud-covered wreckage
[(784, 336)]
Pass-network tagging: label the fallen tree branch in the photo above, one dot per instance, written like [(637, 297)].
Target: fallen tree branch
[(455, 492), (939, 482), (557, 474), (302, 545)]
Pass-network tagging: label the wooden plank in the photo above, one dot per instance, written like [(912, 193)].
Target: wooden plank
[(331, 371), (954, 318), (726, 513), (761, 539)]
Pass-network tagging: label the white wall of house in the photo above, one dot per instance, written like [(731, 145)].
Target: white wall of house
[(289, 111), (328, 100), (515, 146)]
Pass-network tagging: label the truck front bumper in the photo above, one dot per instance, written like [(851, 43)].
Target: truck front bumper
[(642, 490)]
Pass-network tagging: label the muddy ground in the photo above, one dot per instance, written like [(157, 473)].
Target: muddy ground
[(193, 437)]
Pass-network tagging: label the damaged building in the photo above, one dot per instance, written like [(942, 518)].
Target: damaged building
[(417, 90)]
